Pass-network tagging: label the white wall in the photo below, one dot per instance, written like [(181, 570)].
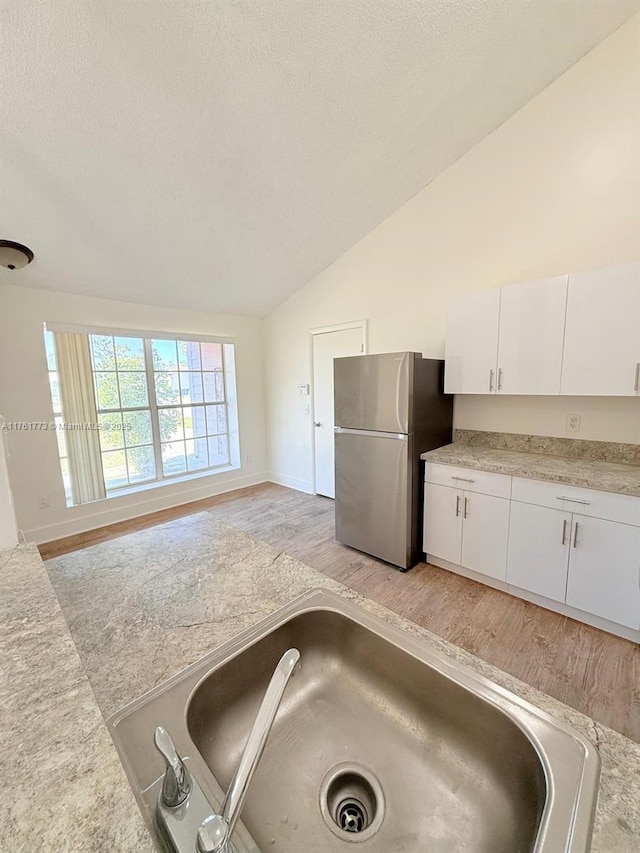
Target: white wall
[(34, 469), (555, 188)]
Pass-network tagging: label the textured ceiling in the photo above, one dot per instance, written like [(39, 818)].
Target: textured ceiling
[(217, 154)]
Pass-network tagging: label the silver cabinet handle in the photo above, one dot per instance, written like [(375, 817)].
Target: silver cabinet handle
[(636, 384), (317, 423), (466, 507), (491, 372), (464, 479), (564, 532), (500, 379), (457, 505), (572, 500), (575, 536)]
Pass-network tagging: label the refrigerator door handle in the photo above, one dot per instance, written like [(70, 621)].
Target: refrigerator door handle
[(397, 436)]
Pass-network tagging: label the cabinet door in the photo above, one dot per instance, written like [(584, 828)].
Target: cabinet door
[(442, 522), (538, 555), (602, 342), (485, 533), (471, 348), (531, 336), (603, 570)]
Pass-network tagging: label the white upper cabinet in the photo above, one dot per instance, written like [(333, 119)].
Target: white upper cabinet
[(472, 343), (602, 336), (576, 334), (531, 335)]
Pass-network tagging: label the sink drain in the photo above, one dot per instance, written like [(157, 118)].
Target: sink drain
[(351, 802), (351, 816)]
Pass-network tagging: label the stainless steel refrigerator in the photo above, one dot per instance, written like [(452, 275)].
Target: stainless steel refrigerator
[(389, 409)]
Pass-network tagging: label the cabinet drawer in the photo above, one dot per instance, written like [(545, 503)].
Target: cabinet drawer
[(483, 482), (607, 505)]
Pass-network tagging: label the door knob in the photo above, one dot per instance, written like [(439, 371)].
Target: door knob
[(317, 423)]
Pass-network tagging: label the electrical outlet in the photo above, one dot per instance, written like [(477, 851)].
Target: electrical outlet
[(44, 503), (573, 423), (249, 458)]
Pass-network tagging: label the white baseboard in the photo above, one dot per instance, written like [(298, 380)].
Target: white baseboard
[(296, 483), (153, 500)]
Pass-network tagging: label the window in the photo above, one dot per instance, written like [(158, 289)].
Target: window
[(163, 407)]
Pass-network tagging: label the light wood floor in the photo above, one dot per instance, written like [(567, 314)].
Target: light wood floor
[(592, 671)]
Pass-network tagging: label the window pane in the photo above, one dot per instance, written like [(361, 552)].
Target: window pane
[(142, 464), (188, 355), (54, 383), (114, 467), (211, 356), (111, 437), (129, 353), (137, 428), (133, 389), (216, 419), (167, 388), (102, 352), (213, 387), (218, 450), (183, 362), (164, 355), (195, 422), (197, 454), (173, 458), (191, 386), (171, 428), (107, 391), (62, 444), (50, 348)]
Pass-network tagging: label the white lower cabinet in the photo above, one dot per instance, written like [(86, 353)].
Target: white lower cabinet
[(485, 533), (539, 542), (443, 522), (604, 570), (466, 528), (574, 546)]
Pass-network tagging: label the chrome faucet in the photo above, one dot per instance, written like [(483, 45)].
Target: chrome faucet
[(215, 831)]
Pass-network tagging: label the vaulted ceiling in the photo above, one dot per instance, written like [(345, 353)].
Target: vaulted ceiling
[(217, 154)]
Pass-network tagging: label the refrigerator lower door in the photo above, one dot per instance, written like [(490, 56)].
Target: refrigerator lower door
[(373, 493)]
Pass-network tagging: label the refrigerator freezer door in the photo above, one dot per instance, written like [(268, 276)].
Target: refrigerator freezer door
[(374, 392), (373, 494)]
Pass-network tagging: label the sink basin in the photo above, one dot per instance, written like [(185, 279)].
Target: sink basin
[(379, 741)]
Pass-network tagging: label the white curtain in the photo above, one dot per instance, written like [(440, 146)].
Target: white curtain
[(73, 359)]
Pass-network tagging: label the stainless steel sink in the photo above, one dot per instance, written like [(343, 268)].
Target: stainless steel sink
[(379, 741)]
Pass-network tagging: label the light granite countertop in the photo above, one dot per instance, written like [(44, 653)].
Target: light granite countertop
[(64, 788), (138, 608), (592, 474)]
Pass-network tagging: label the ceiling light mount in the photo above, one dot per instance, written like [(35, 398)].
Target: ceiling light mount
[(14, 256)]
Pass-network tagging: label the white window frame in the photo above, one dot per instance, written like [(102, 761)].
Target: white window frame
[(229, 401)]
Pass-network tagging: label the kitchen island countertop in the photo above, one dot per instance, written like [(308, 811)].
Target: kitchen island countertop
[(137, 609)]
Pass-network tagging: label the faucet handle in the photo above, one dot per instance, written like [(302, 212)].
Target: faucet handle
[(176, 785)]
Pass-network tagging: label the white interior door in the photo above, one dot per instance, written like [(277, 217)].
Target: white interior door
[(326, 347)]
